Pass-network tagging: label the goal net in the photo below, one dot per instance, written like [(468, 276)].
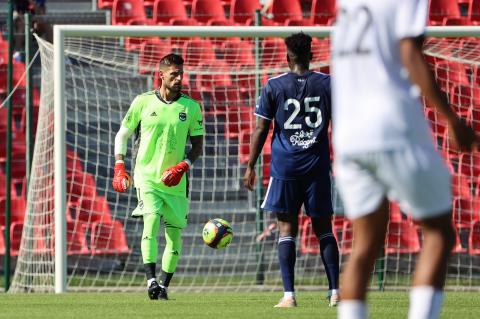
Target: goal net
[(224, 73)]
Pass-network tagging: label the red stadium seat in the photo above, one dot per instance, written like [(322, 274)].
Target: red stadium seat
[(169, 12), (74, 164), (267, 157), (347, 238), (287, 11), (16, 121), (13, 190), (442, 10), (151, 52), (308, 241), (238, 119), (91, 210), (108, 238), (463, 98), (449, 74), (207, 81), (323, 12), (395, 213), (463, 213), (19, 98), (474, 12), (129, 12), (437, 124), (3, 52), (243, 11), (18, 76), (401, 238), (17, 218), (458, 248), (16, 230), (36, 242), (18, 143), (460, 186), (80, 185), (458, 21), (18, 208), (244, 145), (76, 240), (337, 223), (194, 93), (473, 118), (321, 50), (208, 11), (187, 3), (274, 53), (226, 96), (474, 239), (237, 54), (469, 164), (196, 52)]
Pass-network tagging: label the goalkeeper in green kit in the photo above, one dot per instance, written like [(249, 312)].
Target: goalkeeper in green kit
[(163, 119)]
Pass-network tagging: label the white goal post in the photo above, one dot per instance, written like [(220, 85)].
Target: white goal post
[(61, 32)]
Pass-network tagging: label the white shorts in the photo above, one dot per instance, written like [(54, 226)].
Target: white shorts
[(415, 177)]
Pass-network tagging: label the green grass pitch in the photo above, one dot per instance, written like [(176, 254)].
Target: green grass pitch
[(391, 305)]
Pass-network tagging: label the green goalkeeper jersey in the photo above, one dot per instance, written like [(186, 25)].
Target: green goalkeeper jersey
[(164, 129)]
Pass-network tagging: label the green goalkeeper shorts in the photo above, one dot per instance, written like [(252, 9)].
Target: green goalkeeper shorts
[(173, 209)]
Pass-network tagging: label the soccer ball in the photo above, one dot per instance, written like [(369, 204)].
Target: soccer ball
[(217, 233)]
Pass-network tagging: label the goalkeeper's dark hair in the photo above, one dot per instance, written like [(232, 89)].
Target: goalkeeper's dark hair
[(299, 48), (171, 59)]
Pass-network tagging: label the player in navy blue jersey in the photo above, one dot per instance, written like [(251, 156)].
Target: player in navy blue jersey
[(299, 104)]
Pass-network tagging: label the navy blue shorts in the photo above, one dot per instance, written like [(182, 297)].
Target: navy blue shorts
[(287, 196)]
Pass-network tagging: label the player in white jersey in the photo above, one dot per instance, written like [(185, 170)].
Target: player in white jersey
[(383, 148)]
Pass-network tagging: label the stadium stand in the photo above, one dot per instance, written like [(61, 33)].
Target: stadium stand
[(90, 220)]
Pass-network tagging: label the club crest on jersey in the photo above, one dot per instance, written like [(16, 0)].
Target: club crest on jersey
[(182, 116)]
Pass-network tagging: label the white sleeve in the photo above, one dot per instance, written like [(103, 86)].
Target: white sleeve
[(121, 140), (411, 18)]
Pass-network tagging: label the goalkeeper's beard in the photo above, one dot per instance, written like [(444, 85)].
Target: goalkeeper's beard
[(175, 88)]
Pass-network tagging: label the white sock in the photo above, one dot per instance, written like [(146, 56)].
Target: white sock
[(149, 281), (352, 309), (425, 302), (289, 294), (333, 292)]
